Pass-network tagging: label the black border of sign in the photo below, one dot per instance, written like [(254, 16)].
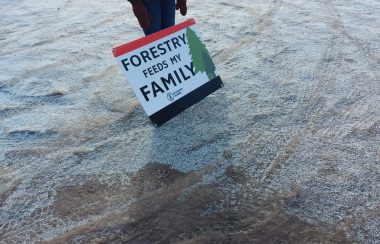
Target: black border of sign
[(175, 108)]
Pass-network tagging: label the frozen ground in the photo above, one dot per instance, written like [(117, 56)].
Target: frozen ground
[(288, 150)]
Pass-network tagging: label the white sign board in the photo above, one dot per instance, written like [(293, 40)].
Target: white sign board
[(169, 71)]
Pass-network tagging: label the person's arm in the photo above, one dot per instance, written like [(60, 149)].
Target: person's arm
[(141, 13)]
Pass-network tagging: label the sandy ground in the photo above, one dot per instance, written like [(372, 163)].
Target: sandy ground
[(288, 151)]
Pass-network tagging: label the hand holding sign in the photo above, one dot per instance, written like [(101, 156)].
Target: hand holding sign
[(169, 71), (181, 5)]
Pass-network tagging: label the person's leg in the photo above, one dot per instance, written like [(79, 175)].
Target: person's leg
[(167, 13), (154, 9)]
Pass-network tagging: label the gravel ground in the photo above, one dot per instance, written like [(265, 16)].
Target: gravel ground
[(288, 151)]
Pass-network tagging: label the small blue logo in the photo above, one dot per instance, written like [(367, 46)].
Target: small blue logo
[(170, 96)]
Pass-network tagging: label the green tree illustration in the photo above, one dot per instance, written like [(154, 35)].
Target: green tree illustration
[(199, 54), (210, 67)]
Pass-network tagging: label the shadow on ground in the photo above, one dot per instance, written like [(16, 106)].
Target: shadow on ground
[(171, 206)]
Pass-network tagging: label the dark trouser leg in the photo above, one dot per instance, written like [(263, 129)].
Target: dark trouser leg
[(155, 10), (167, 13)]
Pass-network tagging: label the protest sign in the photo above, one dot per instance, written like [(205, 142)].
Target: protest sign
[(169, 71)]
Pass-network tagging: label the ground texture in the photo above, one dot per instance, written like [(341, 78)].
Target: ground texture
[(288, 151)]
